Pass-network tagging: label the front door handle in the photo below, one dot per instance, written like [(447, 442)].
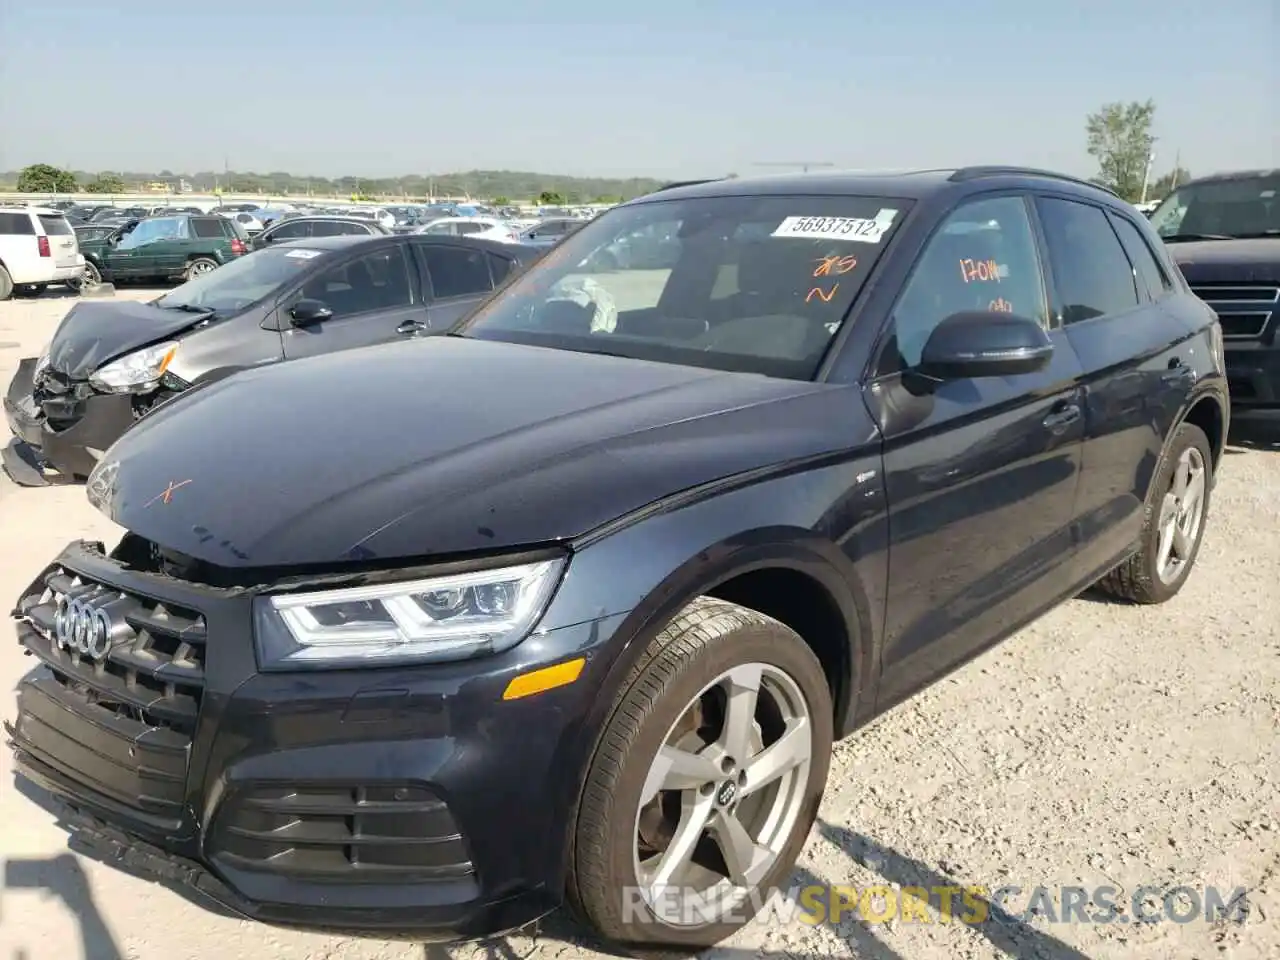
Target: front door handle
[(1177, 372), (411, 326), (1061, 418)]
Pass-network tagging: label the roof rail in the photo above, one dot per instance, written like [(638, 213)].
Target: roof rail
[(975, 173), (687, 183)]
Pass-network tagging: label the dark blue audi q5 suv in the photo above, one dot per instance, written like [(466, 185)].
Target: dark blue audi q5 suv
[(570, 603)]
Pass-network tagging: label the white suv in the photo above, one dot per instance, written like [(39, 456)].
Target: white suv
[(37, 247)]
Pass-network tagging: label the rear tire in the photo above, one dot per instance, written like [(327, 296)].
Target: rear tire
[(1174, 528), (6, 284), (639, 811), (91, 277), (199, 267)]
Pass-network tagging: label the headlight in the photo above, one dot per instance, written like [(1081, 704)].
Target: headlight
[(135, 371), (441, 618), (41, 364)]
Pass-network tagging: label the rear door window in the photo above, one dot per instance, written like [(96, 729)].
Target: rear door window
[(455, 271), (1148, 268), (209, 227), (500, 267), (327, 228), (1091, 270)]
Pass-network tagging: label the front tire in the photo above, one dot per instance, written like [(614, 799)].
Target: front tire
[(6, 284), (1174, 527), (705, 782)]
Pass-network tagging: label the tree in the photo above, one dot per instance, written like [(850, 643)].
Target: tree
[(1166, 184), (105, 183), (549, 198), (501, 201), (43, 178), (1119, 138)]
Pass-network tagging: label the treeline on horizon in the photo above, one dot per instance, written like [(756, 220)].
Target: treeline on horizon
[(512, 184)]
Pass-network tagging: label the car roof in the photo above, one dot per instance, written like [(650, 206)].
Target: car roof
[(903, 184), (1230, 175), (338, 243)]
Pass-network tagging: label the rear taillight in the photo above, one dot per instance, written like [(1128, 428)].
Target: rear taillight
[(237, 248), (44, 246)]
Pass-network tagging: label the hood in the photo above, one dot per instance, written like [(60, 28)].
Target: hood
[(446, 446), (93, 333), (1255, 260)]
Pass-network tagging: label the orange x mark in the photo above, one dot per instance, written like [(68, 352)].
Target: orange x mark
[(167, 494)]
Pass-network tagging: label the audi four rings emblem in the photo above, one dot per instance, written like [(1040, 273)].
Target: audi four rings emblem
[(80, 626)]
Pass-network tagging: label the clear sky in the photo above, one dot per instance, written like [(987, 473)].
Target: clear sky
[(669, 88)]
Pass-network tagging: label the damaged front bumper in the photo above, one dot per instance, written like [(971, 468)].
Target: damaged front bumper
[(60, 439)]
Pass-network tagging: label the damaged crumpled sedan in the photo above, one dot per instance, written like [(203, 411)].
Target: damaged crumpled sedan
[(110, 362)]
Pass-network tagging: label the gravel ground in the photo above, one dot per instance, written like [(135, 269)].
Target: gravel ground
[(1104, 745)]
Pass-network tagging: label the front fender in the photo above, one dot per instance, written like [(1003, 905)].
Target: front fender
[(651, 570)]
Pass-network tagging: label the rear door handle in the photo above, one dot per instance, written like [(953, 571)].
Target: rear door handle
[(1062, 418), (412, 326)]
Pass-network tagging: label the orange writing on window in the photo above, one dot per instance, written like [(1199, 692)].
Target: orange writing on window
[(837, 265), (818, 292), (980, 271), (1000, 305)]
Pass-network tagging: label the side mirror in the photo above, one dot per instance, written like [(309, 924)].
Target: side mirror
[(306, 312), (983, 343)]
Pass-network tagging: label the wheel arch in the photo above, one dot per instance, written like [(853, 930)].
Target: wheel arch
[(782, 569), (1207, 412)]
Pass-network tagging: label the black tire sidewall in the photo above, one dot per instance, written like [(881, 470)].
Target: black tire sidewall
[(1187, 435), (191, 267), (769, 643)]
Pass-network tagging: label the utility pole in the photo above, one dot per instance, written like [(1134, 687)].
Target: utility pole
[(1146, 173), (1177, 169), (804, 165)]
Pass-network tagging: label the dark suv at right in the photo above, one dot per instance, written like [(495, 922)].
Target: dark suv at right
[(1224, 233)]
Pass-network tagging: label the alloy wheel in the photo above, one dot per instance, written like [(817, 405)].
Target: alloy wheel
[(1181, 514), (723, 795)]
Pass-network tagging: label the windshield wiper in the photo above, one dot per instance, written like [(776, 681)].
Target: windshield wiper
[(185, 307), (1257, 234), (1180, 237)]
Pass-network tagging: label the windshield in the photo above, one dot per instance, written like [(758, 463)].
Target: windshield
[(1244, 207), (758, 284), (242, 282)]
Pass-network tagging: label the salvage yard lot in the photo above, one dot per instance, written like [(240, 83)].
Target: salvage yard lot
[(1105, 745)]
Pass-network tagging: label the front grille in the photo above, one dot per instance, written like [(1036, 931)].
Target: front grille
[(122, 725), (1244, 310), (375, 833)]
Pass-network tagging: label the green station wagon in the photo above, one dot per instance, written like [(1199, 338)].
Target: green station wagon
[(161, 248)]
